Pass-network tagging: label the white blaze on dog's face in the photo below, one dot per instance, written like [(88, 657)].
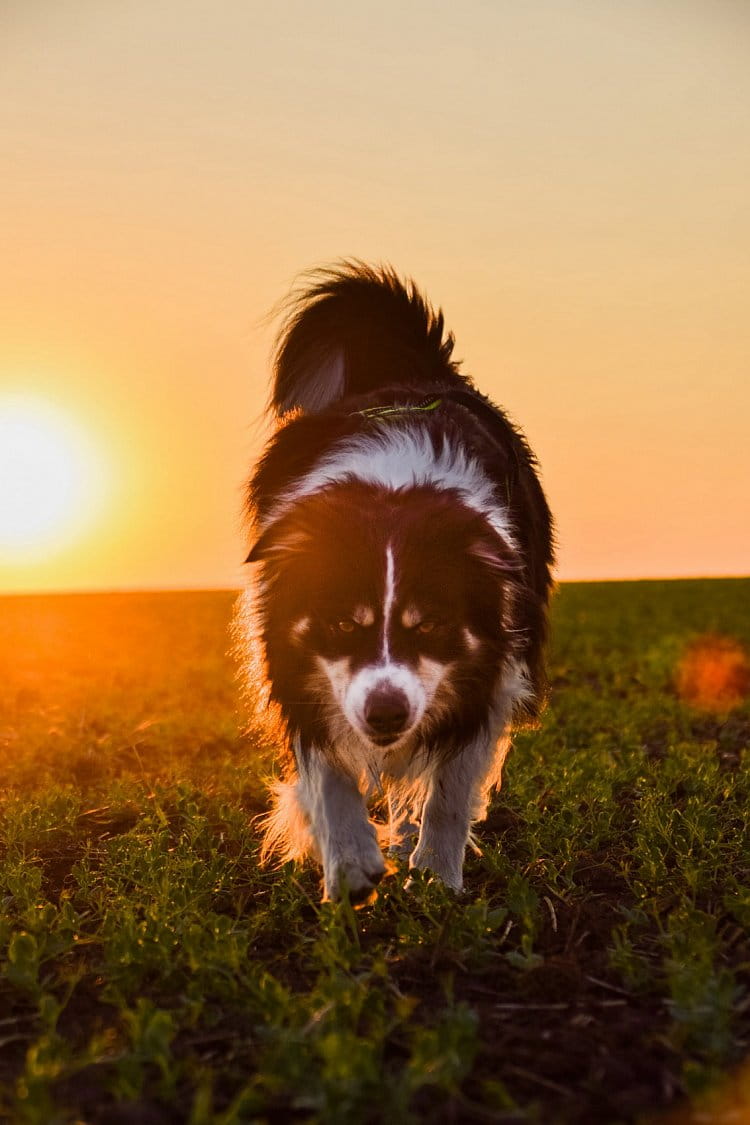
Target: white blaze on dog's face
[(385, 683)]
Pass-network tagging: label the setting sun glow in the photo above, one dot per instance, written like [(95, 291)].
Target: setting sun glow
[(49, 478)]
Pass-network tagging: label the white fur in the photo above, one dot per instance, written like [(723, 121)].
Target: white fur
[(346, 840), (390, 594), (323, 810), (353, 692), (456, 797), (286, 828), (401, 457), (457, 791)]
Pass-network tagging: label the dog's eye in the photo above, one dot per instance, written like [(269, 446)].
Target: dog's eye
[(346, 625), (425, 626)]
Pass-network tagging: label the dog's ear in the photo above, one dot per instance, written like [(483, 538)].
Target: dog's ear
[(282, 539), (492, 550)]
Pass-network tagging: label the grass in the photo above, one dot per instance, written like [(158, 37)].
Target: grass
[(596, 971)]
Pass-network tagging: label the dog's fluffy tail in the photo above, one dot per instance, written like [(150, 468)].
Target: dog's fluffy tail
[(355, 329)]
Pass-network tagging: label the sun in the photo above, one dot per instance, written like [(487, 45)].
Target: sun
[(49, 478)]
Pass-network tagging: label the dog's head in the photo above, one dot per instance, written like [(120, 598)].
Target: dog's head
[(383, 612)]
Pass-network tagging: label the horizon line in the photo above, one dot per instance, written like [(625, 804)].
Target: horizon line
[(32, 592)]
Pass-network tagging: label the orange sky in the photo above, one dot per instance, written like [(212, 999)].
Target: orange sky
[(569, 180)]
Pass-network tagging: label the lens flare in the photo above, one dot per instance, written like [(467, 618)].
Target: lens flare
[(714, 673)]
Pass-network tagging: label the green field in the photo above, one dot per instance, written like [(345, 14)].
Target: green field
[(596, 970)]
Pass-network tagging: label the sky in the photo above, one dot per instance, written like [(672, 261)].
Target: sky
[(568, 179)]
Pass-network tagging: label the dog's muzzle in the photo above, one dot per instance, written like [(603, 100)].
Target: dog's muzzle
[(386, 714)]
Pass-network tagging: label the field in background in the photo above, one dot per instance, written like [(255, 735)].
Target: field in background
[(596, 970)]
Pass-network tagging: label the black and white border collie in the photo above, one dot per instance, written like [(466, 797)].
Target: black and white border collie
[(396, 613)]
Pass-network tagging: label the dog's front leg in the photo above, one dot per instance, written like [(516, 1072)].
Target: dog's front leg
[(456, 797), (344, 835)]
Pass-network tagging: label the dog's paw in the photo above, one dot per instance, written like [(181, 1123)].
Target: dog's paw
[(355, 872), (448, 869), (354, 881)]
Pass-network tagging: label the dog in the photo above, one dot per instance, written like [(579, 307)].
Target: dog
[(396, 616)]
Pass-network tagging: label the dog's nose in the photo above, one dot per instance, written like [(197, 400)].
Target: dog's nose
[(386, 713)]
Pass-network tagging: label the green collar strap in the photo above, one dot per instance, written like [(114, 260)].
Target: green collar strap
[(385, 413)]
